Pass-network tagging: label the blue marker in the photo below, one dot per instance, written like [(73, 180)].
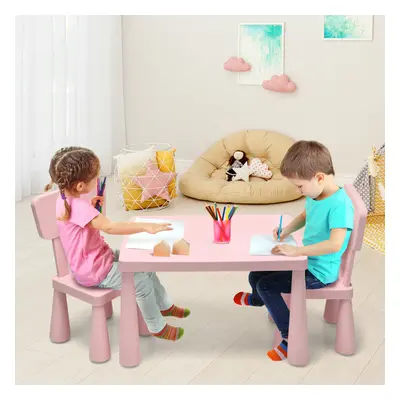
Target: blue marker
[(280, 229)]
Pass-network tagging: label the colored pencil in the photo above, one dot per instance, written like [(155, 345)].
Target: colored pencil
[(100, 193), (227, 212), (231, 214), (97, 206), (219, 214), (280, 229), (103, 187), (223, 214), (210, 211)]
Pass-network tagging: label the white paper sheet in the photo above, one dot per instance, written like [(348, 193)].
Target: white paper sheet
[(147, 241), (261, 245)]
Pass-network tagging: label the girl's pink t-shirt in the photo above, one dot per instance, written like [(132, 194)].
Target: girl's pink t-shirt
[(90, 258)]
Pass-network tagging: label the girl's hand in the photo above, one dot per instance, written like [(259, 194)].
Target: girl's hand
[(94, 200), (155, 228), (285, 250), (283, 235)]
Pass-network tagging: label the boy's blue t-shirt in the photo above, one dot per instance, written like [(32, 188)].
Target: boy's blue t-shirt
[(336, 211)]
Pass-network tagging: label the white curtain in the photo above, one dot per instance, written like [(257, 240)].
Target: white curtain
[(68, 92)]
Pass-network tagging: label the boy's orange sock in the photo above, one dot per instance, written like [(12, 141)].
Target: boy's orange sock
[(243, 299), (279, 353)]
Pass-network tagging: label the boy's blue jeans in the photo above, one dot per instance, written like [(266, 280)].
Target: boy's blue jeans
[(267, 288)]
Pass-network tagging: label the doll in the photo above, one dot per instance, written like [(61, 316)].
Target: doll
[(236, 161)]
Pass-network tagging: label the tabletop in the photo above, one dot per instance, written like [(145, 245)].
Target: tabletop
[(205, 255)]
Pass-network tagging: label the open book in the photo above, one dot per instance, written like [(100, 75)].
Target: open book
[(261, 245)]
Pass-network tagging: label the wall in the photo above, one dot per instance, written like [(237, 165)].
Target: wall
[(177, 91)]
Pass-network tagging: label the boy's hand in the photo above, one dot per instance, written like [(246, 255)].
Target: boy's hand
[(94, 200), (283, 235), (285, 250), (155, 228)]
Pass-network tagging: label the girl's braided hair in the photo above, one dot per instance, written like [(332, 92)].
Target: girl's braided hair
[(68, 167)]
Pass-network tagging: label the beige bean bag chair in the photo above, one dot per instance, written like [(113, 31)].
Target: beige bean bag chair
[(205, 179)]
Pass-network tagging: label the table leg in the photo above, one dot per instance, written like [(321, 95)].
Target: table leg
[(143, 330), (129, 346), (298, 333)]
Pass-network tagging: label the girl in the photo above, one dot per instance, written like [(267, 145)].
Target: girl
[(75, 171)]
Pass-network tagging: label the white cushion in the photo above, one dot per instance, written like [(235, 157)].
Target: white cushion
[(133, 163)]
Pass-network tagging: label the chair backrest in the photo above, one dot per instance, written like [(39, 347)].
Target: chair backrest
[(357, 235), (44, 212)]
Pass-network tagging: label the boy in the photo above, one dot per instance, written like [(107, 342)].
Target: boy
[(328, 219)]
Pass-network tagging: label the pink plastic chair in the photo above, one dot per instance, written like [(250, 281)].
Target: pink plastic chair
[(338, 296), (44, 211)]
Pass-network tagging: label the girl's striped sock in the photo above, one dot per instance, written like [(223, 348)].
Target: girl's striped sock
[(169, 332), (243, 299), (175, 311), (279, 353)]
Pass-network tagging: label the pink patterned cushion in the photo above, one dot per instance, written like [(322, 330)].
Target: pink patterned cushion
[(259, 169)]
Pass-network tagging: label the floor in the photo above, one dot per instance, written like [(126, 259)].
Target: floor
[(223, 343)]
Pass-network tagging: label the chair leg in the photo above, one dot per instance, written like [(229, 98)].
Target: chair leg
[(331, 313), (345, 337), (143, 330), (99, 341), (109, 309), (59, 327)]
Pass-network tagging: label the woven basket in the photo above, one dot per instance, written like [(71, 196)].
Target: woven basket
[(132, 161)]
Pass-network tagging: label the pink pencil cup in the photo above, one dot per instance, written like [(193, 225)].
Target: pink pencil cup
[(222, 231)]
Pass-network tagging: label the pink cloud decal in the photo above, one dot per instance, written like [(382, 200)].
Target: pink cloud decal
[(235, 64), (280, 83)]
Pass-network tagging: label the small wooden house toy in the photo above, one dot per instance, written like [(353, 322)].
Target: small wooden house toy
[(181, 248), (162, 249)]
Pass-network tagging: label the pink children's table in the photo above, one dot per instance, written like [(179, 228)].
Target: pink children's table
[(208, 256)]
